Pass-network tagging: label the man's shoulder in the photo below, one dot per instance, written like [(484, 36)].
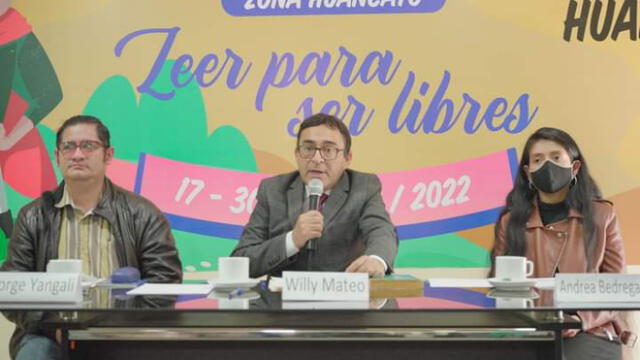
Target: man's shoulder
[(134, 201), (359, 179), (34, 207), (281, 181), (361, 176), (44, 203)]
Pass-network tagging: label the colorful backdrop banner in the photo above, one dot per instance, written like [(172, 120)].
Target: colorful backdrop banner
[(204, 98)]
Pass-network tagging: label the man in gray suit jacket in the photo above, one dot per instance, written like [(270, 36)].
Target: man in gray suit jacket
[(352, 232)]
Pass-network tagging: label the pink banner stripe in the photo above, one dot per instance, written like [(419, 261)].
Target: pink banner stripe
[(447, 191), (200, 192), (412, 197)]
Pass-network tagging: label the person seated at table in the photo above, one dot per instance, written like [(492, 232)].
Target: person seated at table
[(87, 217), (352, 232), (555, 216)]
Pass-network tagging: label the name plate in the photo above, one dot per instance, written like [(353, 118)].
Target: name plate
[(40, 287), (324, 286), (597, 288)]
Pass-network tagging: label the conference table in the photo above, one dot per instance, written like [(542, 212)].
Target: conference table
[(434, 322)]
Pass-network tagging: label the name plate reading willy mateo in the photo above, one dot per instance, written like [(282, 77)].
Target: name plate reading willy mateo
[(40, 287), (324, 286), (597, 288)]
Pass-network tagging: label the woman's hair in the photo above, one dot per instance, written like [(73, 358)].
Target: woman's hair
[(520, 201)]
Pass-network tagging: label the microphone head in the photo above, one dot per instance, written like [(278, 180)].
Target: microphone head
[(315, 187)]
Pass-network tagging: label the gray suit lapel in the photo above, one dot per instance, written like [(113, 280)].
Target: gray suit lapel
[(336, 199), (295, 198)]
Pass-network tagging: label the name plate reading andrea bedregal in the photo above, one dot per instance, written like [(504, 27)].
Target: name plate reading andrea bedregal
[(40, 287), (597, 288), (324, 286)]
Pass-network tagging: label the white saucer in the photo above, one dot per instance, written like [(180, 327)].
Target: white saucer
[(249, 295), (512, 285), (230, 285)]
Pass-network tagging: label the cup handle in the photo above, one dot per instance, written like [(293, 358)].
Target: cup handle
[(529, 303), (529, 267)]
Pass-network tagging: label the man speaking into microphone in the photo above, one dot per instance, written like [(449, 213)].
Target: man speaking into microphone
[(322, 217)]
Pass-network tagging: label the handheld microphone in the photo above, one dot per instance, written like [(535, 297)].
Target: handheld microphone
[(315, 188)]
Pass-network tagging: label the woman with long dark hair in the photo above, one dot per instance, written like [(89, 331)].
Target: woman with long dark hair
[(556, 217)]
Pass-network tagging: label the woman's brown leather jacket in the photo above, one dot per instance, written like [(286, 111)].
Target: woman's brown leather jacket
[(559, 247)]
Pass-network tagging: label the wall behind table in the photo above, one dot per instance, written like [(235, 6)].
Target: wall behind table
[(203, 99)]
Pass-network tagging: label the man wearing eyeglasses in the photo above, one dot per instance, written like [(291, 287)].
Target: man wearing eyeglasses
[(352, 230), (89, 218)]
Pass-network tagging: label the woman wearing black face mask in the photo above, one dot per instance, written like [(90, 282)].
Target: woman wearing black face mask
[(556, 217)]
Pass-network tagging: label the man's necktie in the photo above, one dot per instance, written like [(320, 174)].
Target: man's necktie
[(323, 198)]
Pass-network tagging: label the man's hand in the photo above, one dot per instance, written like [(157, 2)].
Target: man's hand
[(308, 226), (366, 264)]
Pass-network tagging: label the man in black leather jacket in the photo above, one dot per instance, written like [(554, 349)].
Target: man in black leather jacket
[(139, 233)]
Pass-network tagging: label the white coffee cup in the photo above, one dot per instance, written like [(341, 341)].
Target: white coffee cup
[(233, 268), (73, 266), (513, 303), (513, 268)]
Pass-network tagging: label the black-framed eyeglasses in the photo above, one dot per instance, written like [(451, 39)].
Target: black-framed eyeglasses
[(86, 146), (327, 152)]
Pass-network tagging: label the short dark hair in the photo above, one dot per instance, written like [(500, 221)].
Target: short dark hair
[(103, 132), (331, 122)]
